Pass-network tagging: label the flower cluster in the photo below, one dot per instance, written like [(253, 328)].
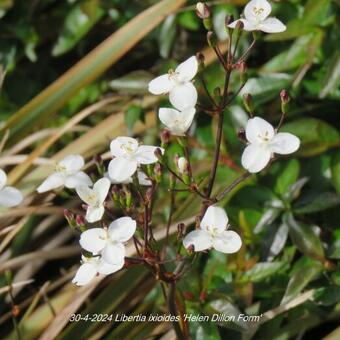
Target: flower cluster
[(134, 165)]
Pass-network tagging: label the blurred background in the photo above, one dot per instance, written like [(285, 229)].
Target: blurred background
[(288, 215)]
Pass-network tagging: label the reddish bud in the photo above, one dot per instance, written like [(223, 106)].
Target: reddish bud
[(80, 221), (242, 135), (203, 295), (159, 154), (165, 137), (285, 99), (180, 230), (15, 311), (202, 10)]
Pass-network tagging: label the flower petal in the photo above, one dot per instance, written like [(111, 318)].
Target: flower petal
[(189, 115), (114, 253), (3, 178), (168, 116), (257, 10), (106, 268), (122, 229), (72, 163), (146, 154), (94, 214), (78, 179), (215, 218), (85, 274), (123, 146), (51, 182), (121, 169), (255, 158), (93, 240), (183, 96), (284, 143), (161, 85), (143, 179), (86, 194), (227, 242), (247, 25), (272, 25), (188, 69), (102, 187), (200, 239), (257, 129), (10, 197)]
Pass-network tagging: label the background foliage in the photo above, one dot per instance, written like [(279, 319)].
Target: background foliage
[(289, 215)]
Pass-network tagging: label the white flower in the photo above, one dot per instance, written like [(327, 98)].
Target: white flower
[(67, 173), (256, 18), (128, 155), (142, 179), (213, 233), (91, 267), (94, 198), (9, 196), (182, 165), (109, 242), (264, 142), (178, 122), (182, 93)]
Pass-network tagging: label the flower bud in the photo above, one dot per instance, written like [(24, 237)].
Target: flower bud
[(202, 10), (212, 39), (285, 99), (128, 197), (158, 154), (158, 172), (165, 138), (15, 311), (242, 68), (182, 165), (191, 249), (148, 196), (239, 26), (248, 102), (201, 59), (180, 230), (80, 221), (70, 218), (228, 20)]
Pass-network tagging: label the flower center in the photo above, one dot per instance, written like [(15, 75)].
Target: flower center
[(128, 148), (60, 168), (93, 200), (264, 137), (258, 11), (174, 76)]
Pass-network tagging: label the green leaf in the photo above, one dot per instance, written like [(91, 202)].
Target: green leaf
[(77, 24), (263, 270), (332, 78), (318, 203), (135, 82), (294, 190), (288, 176), (267, 219), (327, 296), (133, 114), (207, 331), (189, 20), (316, 135), (300, 280), (304, 237), (335, 168), (167, 36), (279, 241)]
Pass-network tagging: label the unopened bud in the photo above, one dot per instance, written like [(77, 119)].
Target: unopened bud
[(80, 221), (15, 311), (285, 99), (158, 172), (242, 135), (228, 20), (70, 218), (182, 165), (239, 26), (180, 230), (203, 295), (201, 59), (165, 138), (191, 249), (248, 103), (212, 39), (148, 196), (128, 197), (202, 10), (242, 68), (159, 154)]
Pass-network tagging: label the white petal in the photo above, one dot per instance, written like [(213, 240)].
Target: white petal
[(247, 25), (183, 96), (227, 242), (258, 129), (188, 69), (215, 218), (200, 239), (3, 179), (284, 143), (85, 274), (10, 197), (122, 146), (51, 182), (114, 253), (93, 240), (189, 115), (94, 214), (168, 116), (257, 10), (143, 179), (86, 194), (122, 229), (146, 154), (272, 25), (161, 85), (72, 163), (121, 169), (102, 187), (106, 268), (255, 158), (78, 179)]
